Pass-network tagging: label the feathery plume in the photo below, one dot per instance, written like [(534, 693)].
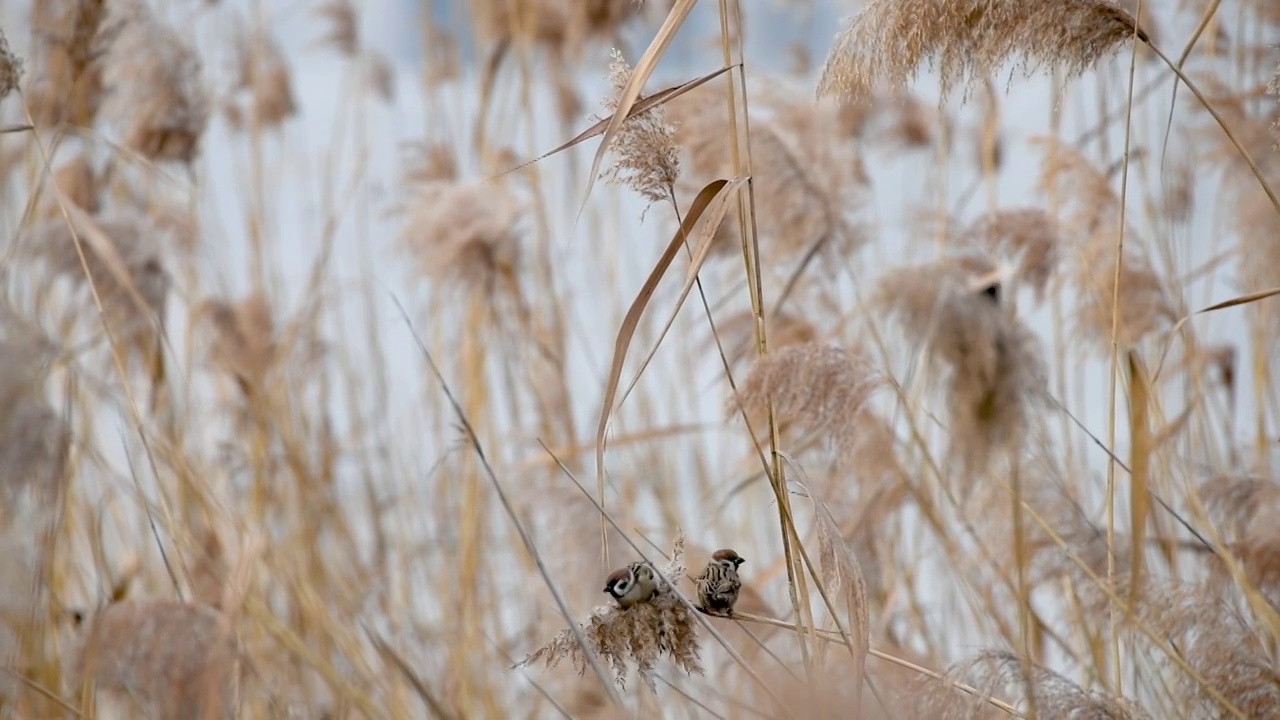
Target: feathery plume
[(809, 176), (784, 329), (1239, 504), (136, 243), (10, 68), (816, 392), (968, 40), (34, 439), (462, 234), (1029, 235), (245, 345), (1052, 695), (642, 633), (343, 26), (1090, 218), (563, 27), (991, 361), (157, 99), (1245, 510), (1218, 644), (264, 74), (79, 183), (163, 659), (646, 157), (66, 85)]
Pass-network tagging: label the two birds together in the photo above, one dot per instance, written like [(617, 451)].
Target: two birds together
[(718, 585)]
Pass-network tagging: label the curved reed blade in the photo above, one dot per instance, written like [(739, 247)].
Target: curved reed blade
[(642, 106), (1242, 300), (627, 98), (706, 236), (632, 320)]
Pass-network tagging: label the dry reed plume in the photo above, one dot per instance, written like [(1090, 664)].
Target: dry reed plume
[(969, 40), (403, 563), (808, 174), (990, 361), (263, 76), (66, 83), (10, 68), (34, 439), (817, 393), (646, 157), (642, 634), (79, 184), (1051, 696), (463, 235), (1090, 218), (1220, 645), (562, 26), (1029, 236), (156, 97), (245, 345), (161, 659), (129, 262)]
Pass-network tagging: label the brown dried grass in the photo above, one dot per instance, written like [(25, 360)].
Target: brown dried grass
[(157, 99), (968, 40), (162, 659), (990, 362)]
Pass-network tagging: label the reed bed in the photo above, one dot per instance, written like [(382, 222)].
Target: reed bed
[(343, 361)]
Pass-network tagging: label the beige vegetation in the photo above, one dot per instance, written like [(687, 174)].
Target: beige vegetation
[(1008, 450)]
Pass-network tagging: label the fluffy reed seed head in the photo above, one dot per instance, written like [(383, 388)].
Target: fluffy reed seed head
[(738, 334), (343, 25), (137, 243), (157, 99), (34, 439), (1218, 643), (264, 74), (817, 392), (991, 362), (1245, 509), (464, 235), (641, 634), (79, 183), (10, 68), (1090, 220), (244, 344), (66, 85), (646, 158), (1028, 235), (164, 659), (808, 174), (997, 672), (969, 40), (563, 27)]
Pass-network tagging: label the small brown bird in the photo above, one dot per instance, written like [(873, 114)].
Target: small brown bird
[(632, 584), (718, 585)]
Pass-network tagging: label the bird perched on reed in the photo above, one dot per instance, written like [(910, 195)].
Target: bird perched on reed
[(718, 585), (632, 584)]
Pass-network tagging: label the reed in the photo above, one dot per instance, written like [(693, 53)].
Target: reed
[(335, 380)]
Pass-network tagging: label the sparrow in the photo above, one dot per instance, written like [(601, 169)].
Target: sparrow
[(718, 584), (632, 584)]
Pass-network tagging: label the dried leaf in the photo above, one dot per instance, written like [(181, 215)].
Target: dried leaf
[(705, 237), (632, 320)]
